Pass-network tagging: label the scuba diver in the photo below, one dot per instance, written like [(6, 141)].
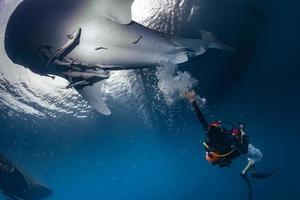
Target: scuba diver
[(223, 145)]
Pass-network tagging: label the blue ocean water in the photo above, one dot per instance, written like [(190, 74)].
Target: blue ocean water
[(124, 156)]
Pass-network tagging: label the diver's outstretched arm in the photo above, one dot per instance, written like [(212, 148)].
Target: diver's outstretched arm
[(191, 96)]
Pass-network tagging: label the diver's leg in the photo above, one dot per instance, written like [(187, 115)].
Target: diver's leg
[(254, 155), (248, 166)]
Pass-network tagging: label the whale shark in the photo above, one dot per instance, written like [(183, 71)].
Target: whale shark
[(62, 38)]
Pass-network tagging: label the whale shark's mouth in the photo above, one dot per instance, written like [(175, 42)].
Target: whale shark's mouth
[(23, 92)]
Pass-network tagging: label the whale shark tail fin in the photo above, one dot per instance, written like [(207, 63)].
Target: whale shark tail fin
[(213, 42), (187, 47), (93, 95)]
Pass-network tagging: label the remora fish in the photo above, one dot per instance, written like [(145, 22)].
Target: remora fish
[(93, 23)]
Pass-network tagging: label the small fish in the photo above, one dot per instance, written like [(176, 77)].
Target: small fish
[(101, 48), (135, 42)]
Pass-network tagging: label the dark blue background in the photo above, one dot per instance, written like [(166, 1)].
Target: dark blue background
[(119, 157)]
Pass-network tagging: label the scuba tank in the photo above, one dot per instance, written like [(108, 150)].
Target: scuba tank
[(217, 156)]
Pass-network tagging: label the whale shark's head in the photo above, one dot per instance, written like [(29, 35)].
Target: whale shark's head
[(28, 29)]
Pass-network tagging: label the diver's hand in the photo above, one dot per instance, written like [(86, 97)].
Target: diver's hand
[(190, 95)]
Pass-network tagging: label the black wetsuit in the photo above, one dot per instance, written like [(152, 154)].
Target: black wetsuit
[(220, 139), (200, 116)]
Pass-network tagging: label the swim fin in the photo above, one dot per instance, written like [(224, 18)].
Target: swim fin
[(263, 175), (246, 179)]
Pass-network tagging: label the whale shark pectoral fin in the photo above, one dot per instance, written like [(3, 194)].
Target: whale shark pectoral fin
[(192, 47), (94, 97), (180, 57), (117, 10)]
